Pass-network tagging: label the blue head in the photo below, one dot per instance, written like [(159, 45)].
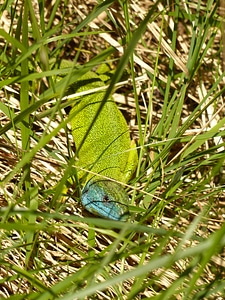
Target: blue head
[(106, 198)]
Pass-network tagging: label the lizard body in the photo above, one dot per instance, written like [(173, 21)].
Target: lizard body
[(106, 149)]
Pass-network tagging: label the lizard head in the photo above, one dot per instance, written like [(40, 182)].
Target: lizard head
[(106, 198)]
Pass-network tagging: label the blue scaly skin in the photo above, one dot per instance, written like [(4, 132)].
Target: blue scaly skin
[(106, 198)]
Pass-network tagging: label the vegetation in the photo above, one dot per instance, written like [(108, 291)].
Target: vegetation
[(168, 68)]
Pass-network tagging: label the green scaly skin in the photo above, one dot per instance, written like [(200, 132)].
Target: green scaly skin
[(106, 150)]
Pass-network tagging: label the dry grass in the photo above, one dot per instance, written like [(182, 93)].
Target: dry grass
[(180, 184)]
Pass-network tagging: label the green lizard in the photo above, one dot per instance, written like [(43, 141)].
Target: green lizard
[(106, 150)]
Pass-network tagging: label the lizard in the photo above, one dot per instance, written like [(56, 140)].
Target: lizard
[(106, 150)]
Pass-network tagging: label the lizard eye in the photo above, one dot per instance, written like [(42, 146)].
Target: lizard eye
[(105, 198)]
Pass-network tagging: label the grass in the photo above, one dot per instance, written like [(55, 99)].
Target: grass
[(172, 62)]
